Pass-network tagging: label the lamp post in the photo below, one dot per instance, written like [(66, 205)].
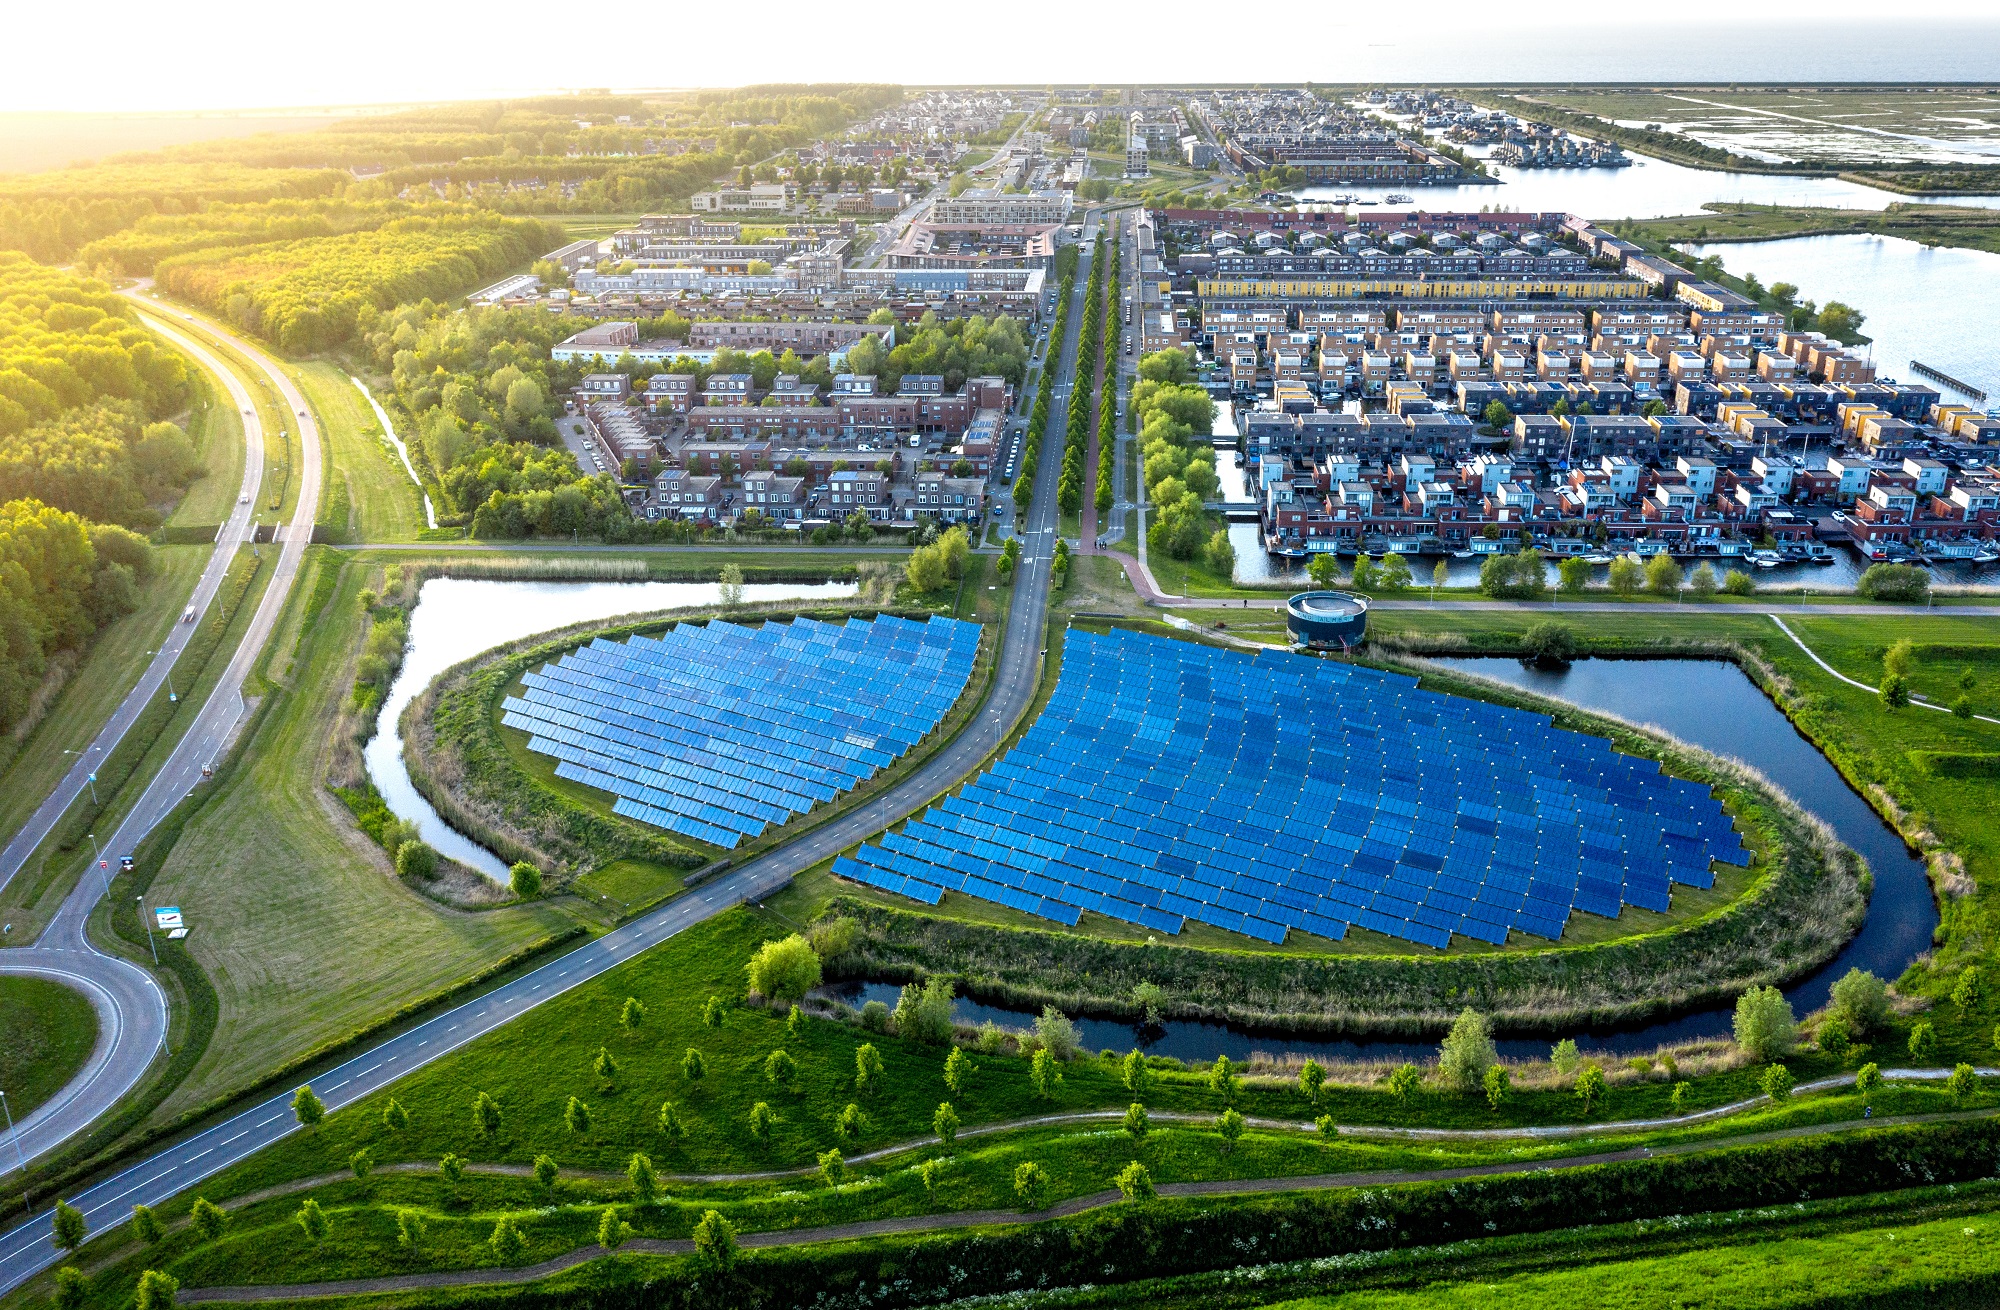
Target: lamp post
[(19, 1156), (140, 900), (103, 866)]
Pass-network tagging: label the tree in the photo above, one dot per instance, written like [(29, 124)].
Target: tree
[(1663, 576), (576, 1116), (1900, 659), (1137, 1122), (1964, 1081), (1590, 1087), (1440, 574), (780, 1068), (394, 1117), (485, 1115), (644, 1178), (1135, 1183), (1738, 583), (546, 1171), (693, 1067), (1965, 992), (945, 1123), (832, 1165), (957, 1070), (1895, 693), (146, 1225), (1221, 554), (784, 970), (867, 1067), (1548, 641), (506, 1241), (851, 1123), (1563, 1056), (795, 1023), (1574, 575), (1962, 707), (362, 1163), (631, 1014), (1923, 1043), (605, 1067), (409, 1229), (1058, 1035), (156, 1291), (1467, 1052), (713, 1012), (1393, 575), (1864, 999), (1222, 1079), (1900, 583), (1626, 573), (307, 1107), (731, 585), (1044, 1074), (207, 1219), (69, 1229), (1497, 1085), (1834, 1036), (672, 1126), (1497, 415), (612, 1231), (927, 1174), (1229, 1126), (715, 1241), (1520, 576), (925, 569), (1702, 582), (1677, 1103), (72, 1288), (453, 1169), (1777, 1082), (1405, 1082), (762, 1119), (1031, 1185), (923, 1013), (1312, 1077), (525, 880), (1323, 569), (1363, 574), (1765, 1026), (1868, 1080), (312, 1220), (1136, 1074)]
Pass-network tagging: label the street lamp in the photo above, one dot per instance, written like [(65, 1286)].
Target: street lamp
[(19, 1155), (141, 901)]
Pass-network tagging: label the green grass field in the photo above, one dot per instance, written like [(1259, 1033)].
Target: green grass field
[(217, 432), (50, 1030), (302, 926), (369, 490)]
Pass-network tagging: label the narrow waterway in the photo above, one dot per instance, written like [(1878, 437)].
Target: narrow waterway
[(1708, 703), (456, 618)]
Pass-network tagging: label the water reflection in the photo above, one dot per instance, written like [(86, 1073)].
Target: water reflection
[(456, 618)]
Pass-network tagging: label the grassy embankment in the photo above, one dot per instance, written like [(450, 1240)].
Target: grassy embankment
[(50, 1030), (370, 497), (1931, 225)]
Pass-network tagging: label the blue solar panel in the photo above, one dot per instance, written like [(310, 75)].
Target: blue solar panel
[(1167, 781), (718, 731)]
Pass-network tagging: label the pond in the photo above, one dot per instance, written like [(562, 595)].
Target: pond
[(1709, 703), (457, 618)]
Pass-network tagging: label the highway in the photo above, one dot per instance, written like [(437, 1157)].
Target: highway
[(131, 1008), (26, 1250)]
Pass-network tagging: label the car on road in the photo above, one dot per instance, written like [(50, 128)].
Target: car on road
[(243, 499), (126, 864), (187, 615)]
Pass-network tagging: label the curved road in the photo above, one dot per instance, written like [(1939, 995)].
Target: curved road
[(26, 1249), (131, 1008)]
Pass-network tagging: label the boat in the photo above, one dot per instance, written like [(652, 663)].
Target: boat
[(1461, 554), (1597, 558), (1988, 554), (1767, 559), (1398, 198), (1346, 198), (1818, 552)]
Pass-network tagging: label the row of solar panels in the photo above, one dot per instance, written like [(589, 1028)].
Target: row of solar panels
[(669, 727), (1539, 821)]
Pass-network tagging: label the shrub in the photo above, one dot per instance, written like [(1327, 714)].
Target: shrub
[(1044, 1074), (1964, 1081), (1563, 1056), (832, 1166), (1135, 1183), (1965, 992), (576, 1116), (957, 1070), (867, 1067), (362, 1162), (923, 1014), (1834, 1036), (1901, 583), (72, 1289), (1677, 1102), (605, 1067), (1868, 1080), (1467, 1052), (307, 1107), (1405, 1082), (631, 1014), (485, 1115), (612, 1231), (1229, 1127), (524, 879), (785, 970), (1031, 1185), (1137, 1122), (1895, 693), (1550, 642), (1765, 1027), (945, 1123), (452, 1167), (762, 1119), (1590, 1087), (1150, 997), (415, 859), (156, 1291), (715, 1241), (693, 1066), (1222, 1079), (851, 1123), (1864, 999), (146, 1225), (1514, 577), (1312, 1077), (1738, 583), (394, 1117), (409, 1229), (1777, 1082), (713, 1011), (506, 1241), (546, 1170), (1057, 1034), (206, 1218), (1497, 1084), (875, 1017), (672, 1126), (1923, 1043)]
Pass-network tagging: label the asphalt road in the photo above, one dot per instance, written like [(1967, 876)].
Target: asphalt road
[(131, 1008), (26, 1249)]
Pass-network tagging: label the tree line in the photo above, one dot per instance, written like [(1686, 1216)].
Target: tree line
[(61, 579)]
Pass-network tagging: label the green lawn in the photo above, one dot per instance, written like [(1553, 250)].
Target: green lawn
[(30, 766), (368, 489), (50, 1030), (301, 925), (217, 432)]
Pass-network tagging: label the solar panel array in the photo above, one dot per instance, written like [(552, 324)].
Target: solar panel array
[(1169, 781), (717, 731)]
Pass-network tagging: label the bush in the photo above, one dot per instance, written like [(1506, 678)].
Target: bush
[(156, 1291), (1765, 1026), (923, 1013), (1031, 1185), (1663, 576), (1497, 1086), (945, 1123), (1895, 693), (416, 859), (1467, 1052), (1864, 999), (1135, 1183), (785, 970), (1044, 1075), (1563, 1056), (1923, 1043), (1550, 642), (1902, 583), (715, 1241), (1835, 1037), (1057, 1034), (525, 880), (875, 1017), (1777, 1082), (1738, 583)]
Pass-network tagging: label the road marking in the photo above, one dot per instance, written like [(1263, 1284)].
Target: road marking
[(197, 1155)]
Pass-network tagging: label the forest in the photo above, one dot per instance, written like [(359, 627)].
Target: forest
[(60, 580), (136, 250), (957, 349), (311, 294)]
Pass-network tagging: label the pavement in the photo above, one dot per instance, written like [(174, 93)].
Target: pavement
[(25, 1250), (131, 1007)]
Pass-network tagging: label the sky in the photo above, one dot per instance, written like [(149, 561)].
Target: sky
[(230, 54)]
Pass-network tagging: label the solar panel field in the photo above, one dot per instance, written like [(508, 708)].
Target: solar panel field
[(718, 731), (1167, 781)]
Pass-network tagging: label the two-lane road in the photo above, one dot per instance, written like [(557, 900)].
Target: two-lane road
[(131, 1008), (25, 1250)]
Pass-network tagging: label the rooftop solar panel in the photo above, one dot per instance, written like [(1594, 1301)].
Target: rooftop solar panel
[(1168, 781)]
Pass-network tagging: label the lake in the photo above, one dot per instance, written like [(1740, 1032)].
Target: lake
[(1709, 703), (457, 618)]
